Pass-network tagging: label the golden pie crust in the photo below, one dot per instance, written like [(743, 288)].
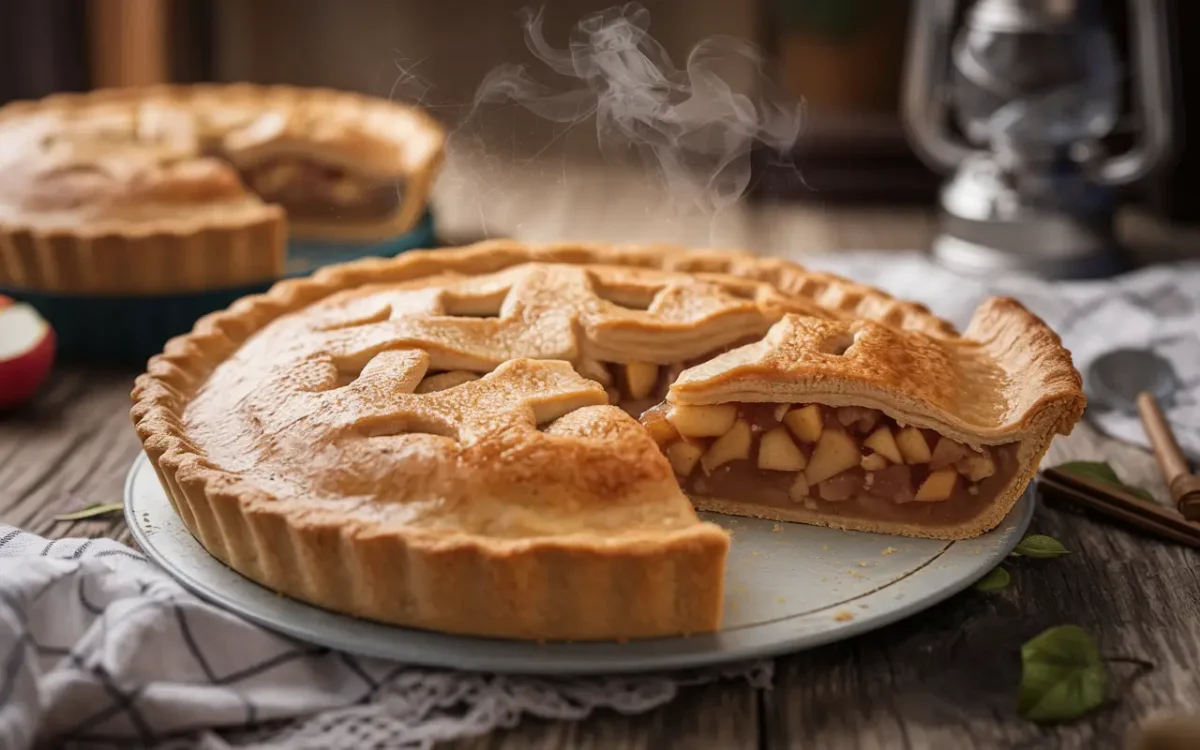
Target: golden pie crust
[(141, 190), (428, 440)]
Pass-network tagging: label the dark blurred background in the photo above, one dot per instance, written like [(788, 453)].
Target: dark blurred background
[(843, 57)]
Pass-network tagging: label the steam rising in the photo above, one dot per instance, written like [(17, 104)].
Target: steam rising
[(689, 124)]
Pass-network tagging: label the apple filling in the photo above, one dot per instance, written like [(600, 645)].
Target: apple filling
[(637, 386), (845, 460), (308, 190)]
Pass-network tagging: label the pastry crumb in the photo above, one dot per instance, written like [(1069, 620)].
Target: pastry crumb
[(754, 553), (889, 551), (862, 563), (781, 600), (824, 547), (855, 574), (776, 528), (843, 616)]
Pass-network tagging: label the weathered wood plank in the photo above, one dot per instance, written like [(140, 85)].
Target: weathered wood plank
[(71, 447), (948, 677)]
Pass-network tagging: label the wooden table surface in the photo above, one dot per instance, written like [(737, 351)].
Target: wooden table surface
[(946, 678)]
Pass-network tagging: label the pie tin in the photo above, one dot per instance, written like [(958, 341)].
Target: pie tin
[(129, 329), (789, 587)]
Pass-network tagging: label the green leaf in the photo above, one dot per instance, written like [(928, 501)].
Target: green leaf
[(92, 511), (1062, 676), (1102, 473), (994, 581), (1041, 546)]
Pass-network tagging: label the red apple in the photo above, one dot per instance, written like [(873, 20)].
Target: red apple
[(26, 352)]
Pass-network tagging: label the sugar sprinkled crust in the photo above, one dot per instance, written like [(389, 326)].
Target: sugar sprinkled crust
[(652, 569)]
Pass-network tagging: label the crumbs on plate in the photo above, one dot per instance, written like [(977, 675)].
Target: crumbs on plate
[(843, 616)]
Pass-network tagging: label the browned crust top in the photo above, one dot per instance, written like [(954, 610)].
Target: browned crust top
[(139, 157), (992, 385)]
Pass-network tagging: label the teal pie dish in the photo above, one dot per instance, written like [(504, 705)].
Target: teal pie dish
[(129, 329)]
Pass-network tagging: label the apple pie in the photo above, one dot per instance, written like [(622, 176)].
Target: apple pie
[(450, 439), (179, 188)]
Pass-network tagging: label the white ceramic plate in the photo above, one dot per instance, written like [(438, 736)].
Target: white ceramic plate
[(789, 587)]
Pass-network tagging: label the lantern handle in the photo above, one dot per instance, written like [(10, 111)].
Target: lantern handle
[(1152, 92), (925, 91)]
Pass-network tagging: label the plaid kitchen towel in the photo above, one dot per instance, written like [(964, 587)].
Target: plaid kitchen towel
[(100, 648)]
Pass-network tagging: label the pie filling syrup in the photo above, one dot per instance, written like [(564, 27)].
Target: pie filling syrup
[(308, 190), (841, 461)]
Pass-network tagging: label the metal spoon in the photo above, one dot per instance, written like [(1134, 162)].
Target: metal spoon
[(1115, 379), (1137, 380)]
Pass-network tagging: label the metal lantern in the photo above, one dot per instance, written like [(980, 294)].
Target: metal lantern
[(1033, 87)]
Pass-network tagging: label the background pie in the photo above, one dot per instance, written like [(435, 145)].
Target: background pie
[(449, 439), (179, 188)]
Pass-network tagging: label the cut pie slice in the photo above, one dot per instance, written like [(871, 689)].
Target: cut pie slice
[(860, 426)]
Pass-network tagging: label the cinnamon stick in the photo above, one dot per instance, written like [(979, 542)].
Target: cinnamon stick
[(1122, 506)]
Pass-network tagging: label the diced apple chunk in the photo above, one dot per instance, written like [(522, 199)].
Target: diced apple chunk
[(780, 411), (873, 462), (938, 486), (777, 452), (640, 378), (884, 443), (733, 445), (861, 416), (663, 432), (683, 457), (798, 492), (840, 488), (805, 423), (912, 446), (836, 451), (977, 466), (703, 421), (946, 453)]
